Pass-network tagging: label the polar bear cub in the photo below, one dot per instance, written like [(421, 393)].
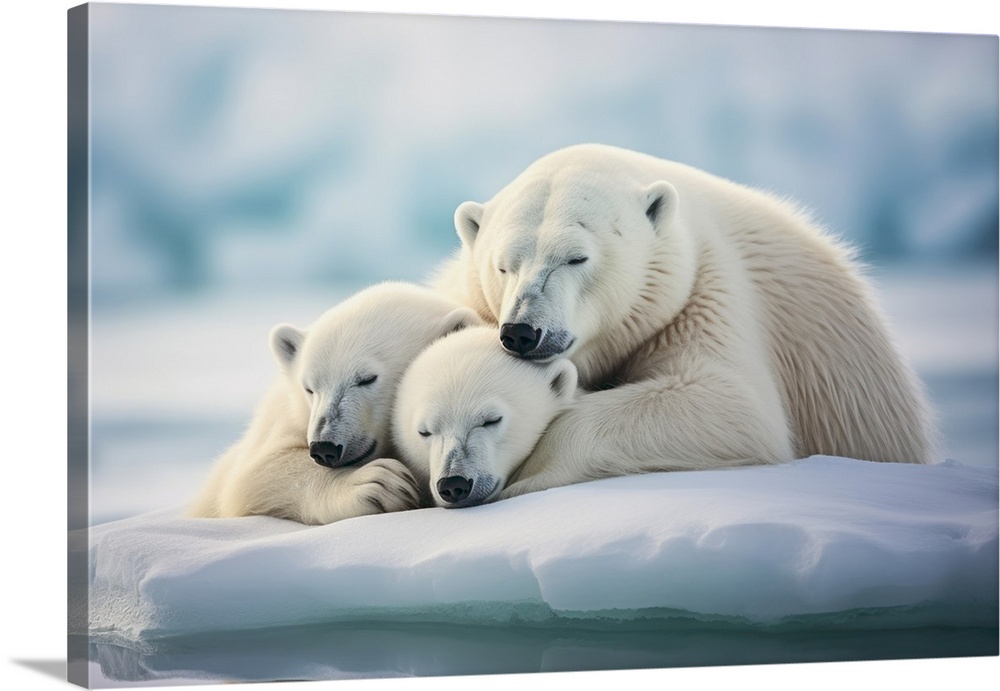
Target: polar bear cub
[(319, 448), (468, 414)]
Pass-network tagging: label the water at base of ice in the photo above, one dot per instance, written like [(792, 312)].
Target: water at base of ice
[(348, 650)]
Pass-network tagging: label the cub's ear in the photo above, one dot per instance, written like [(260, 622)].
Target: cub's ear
[(662, 202), (468, 217), (562, 380), (286, 341), (458, 319)]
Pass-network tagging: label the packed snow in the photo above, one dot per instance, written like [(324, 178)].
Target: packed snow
[(754, 545)]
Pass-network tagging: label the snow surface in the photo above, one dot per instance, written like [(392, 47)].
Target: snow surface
[(753, 545)]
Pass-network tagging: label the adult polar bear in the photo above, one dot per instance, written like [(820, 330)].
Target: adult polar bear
[(711, 324)]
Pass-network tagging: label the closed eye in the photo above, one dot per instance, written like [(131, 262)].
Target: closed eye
[(309, 391), (577, 260), (368, 380), (423, 433), (493, 421)]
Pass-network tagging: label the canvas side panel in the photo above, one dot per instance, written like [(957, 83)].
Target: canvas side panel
[(78, 307)]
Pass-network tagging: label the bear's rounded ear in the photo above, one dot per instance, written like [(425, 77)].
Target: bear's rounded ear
[(468, 216), (562, 379), (458, 319), (661, 204), (286, 341)]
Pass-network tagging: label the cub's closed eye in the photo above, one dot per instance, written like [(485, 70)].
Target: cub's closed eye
[(309, 391), (503, 271), (578, 260), (493, 421), (368, 380), (423, 433)]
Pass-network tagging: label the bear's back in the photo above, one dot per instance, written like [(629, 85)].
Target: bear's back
[(847, 389)]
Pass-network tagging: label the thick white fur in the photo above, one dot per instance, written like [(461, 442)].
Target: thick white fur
[(467, 409), (713, 325), (269, 471)]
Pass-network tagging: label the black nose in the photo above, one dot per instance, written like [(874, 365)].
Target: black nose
[(519, 338), (454, 489), (326, 453)]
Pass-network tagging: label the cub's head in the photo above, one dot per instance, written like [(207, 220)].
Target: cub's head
[(575, 250), (468, 414), (344, 369)]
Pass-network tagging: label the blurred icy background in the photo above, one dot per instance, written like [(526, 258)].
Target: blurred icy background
[(255, 166)]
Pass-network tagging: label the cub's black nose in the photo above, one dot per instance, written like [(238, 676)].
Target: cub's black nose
[(519, 338), (326, 453), (454, 489)]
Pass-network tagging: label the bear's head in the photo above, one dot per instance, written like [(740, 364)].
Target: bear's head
[(580, 256), (468, 414), (344, 369)]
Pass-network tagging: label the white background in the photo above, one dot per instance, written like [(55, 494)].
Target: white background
[(33, 275)]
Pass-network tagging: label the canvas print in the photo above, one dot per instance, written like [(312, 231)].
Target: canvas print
[(421, 346)]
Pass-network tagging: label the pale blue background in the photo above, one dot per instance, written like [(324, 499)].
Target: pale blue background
[(234, 146)]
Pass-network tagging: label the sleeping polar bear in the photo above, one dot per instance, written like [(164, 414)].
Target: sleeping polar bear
[(319, 448), (467, 414), (711, 324)]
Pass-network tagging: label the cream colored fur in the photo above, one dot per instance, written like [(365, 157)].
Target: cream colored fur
[(375, 333), (712, 325), (466, 410)]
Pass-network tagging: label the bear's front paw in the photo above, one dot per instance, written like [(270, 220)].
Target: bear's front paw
[(385, 485), (525, 486)]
